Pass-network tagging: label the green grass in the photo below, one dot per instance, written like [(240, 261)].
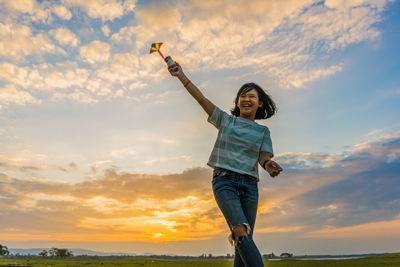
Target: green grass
[(381, 261), (378, 261)]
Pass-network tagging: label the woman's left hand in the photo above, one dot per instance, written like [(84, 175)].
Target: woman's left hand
[(273, 168)]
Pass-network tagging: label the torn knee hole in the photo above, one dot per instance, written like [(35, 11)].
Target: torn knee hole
[(240, 230)]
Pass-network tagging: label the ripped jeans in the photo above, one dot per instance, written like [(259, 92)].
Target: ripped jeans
[(237, 197)]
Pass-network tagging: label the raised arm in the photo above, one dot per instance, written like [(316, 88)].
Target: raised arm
[(206, 104)]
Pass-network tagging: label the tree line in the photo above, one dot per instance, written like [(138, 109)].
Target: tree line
[(53, 252), (56, 252)]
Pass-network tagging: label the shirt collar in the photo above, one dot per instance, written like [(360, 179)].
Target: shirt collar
[(246, 120)]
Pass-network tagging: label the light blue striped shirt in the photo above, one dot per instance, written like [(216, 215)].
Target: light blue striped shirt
[(239, 143)]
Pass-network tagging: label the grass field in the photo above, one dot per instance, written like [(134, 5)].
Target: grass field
[(381, 260)]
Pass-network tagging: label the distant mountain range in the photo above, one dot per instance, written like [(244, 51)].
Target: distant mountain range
[(75, 252), (79, 252), (340, 255)]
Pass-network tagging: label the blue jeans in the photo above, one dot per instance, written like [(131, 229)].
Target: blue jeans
[(237, 197)]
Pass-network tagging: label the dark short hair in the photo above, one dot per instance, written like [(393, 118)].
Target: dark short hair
[(268, 108)]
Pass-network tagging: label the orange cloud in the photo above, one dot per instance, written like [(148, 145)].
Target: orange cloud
[(117, 207), (126, 207), (380, 229), (277, 229)]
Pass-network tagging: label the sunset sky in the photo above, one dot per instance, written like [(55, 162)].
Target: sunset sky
[(100, 148)]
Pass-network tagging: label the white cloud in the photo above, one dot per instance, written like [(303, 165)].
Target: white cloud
[(65, 37), (49, 79), (12, 95), (95, 165), (104, 9), (95, 52), (292, 78), (14, 73), (65, 79), (36, 11), (129, 5), (288, 41), (17, 42), (281, 39), (62, 12), (308, 160), (168, 159), (374, 144), (105, 29), (25, 6), (374, 132), (43, 77), (127, 71), (124, 152), (77, 95), (124, 34), (343, 4)]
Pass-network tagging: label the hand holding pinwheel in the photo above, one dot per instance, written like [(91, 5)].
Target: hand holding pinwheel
[(170, 62)]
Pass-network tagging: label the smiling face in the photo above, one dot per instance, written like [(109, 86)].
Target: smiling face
[(248, 103)]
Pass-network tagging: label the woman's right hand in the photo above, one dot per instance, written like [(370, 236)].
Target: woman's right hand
[(175, 71)]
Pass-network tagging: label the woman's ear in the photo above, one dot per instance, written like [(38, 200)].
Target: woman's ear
[(260, 104)]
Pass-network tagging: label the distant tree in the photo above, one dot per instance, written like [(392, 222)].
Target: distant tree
[(286, 255), (269, 256), (44, 253), (3, 250), (52, 252), (60, 252), (63, 253)]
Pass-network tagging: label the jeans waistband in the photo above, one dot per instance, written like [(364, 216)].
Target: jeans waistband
[(234, 173)]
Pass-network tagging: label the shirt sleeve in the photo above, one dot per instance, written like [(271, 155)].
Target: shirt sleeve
[(266, 145), (218, 118)]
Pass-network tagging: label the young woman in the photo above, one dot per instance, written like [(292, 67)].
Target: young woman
[(240, 144)]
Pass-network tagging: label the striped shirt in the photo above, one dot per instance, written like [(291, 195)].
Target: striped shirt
[(239, 143)]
